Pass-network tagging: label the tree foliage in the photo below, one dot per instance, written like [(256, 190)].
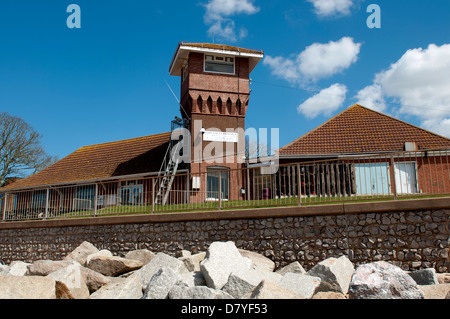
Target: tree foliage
[(21, 150)]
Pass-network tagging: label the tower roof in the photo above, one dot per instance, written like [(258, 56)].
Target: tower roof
[(183, 49), (362, 130)]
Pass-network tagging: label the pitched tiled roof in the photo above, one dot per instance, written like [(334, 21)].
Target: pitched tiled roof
[(361, 130), (132, 156)]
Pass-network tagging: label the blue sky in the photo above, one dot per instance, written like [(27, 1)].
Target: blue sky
[(107, 80)]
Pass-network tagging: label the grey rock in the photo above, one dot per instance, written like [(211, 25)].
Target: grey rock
[(293, 267), (113, 266), (159, 261), (82, 252), (95, 280), (381, 280), (72, 277), (425, 276), (302, 284), (3, 269), (435, 291), (143, 255), (260, 262), (240, 283), (222, 258), (193, 278), (45, 267), (328, 295), (161, 283), (17, 268), (270, 290), (197, 292), (129, 288), (335, 274), (27, 287), (103, 252), (192, 262)]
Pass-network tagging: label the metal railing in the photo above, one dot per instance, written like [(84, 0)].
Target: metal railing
[(389, 176)]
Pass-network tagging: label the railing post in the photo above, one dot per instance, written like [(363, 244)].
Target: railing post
[(392, 171), (299, 185), (5, 198), (220, 190), (46, 204), (153, 195), (96, 200)]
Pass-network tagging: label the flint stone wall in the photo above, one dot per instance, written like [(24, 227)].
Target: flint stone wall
[(413, 234)]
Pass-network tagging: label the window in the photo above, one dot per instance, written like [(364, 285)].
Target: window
[(84, 197), (185, 71), (219, 64), (39, 199), (131, 192), (216, 175)]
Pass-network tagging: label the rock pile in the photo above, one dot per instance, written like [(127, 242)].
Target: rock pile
[(222, 272)]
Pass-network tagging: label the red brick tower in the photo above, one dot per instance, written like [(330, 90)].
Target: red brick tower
[(214, 97)]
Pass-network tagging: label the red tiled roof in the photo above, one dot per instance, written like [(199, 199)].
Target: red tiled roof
[(132, 156), (361, 130)]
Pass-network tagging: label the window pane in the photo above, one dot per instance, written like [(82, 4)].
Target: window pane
[(219, 67)]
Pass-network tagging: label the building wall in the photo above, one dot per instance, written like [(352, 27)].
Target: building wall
[(410, 233)]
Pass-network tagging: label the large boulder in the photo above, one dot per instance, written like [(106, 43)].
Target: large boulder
[(260, 262), (222, 258), (193, 278), (17, 268), (159, 261), (45, 267), (143, 255), (439, 291), (335, 274), (113, 266), (382, 280), (241, 282), (267, 289), (181, 291), (328, 295), (425, 276), (192, 262), (3, 269), (161, 283), (103, 252), (72, 277), (94, 280), (129, 288), (27, 287), (293, 267), (81, 253), (302, 284)]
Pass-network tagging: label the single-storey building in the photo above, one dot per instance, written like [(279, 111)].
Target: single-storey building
[(357, 152), (364, 152)]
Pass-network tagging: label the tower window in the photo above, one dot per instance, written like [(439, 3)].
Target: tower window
[(219, 64)]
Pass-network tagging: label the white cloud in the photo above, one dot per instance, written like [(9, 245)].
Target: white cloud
[(319, 60), (325, 102), (218, 13), (323, 60), (419, 81), (372, 96), (326, 8)]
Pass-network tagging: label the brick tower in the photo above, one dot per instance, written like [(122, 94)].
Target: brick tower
[(215, 92)]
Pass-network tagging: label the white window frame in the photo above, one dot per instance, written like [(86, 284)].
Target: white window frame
[(224, 62)]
